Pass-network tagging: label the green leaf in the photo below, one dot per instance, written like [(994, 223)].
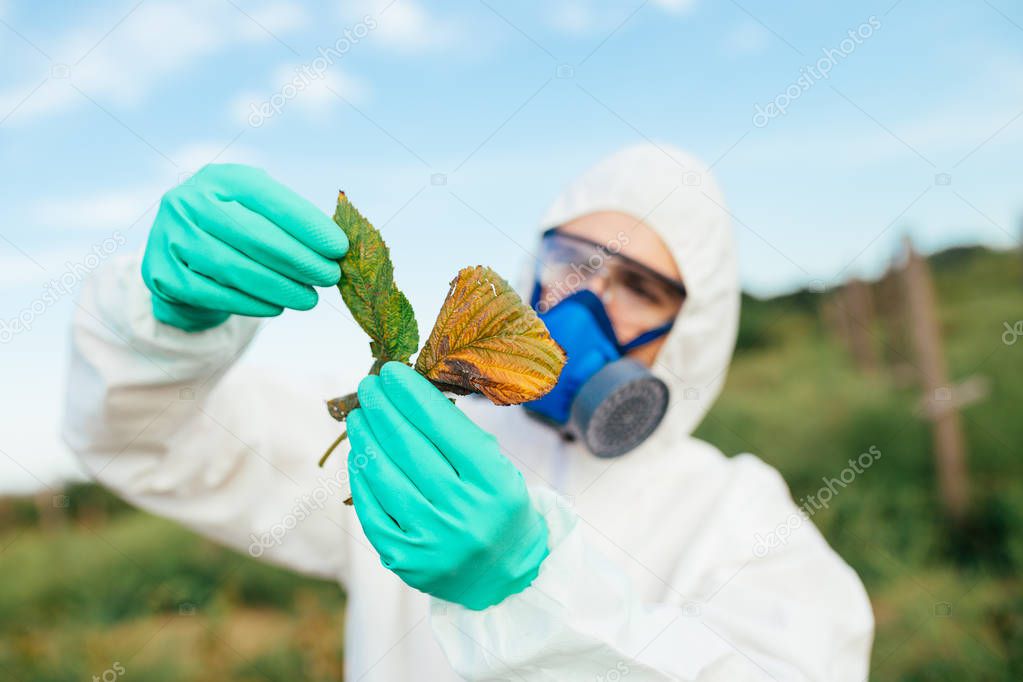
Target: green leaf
[(368, 289)]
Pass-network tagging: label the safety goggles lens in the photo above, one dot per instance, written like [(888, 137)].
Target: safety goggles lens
[(568, 264)]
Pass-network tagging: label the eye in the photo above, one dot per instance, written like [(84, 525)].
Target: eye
[(639, 287), (648, 297)]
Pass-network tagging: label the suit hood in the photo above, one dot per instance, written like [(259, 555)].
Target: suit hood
[(676, 195)]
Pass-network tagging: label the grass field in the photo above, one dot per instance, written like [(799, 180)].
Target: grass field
[(161, 602), (112, 587)]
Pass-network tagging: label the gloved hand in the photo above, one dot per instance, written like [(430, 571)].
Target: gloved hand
[(448, 513), (233, 240)]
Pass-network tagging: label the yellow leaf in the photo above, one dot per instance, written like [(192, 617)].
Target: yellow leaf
[(486, 340)]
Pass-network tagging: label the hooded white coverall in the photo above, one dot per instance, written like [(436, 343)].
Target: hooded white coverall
[(672, 562)]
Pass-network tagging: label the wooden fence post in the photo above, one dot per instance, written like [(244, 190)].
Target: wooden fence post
[(925, 330), (849, 315), (51, 506), (891, 308), (858, 304)]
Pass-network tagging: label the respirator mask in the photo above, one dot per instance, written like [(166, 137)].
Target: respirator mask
[(603, 398)]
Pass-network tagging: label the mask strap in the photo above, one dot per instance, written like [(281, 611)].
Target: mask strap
[(647, 336)]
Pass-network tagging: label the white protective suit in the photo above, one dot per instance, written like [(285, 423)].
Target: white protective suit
[(658, 566)]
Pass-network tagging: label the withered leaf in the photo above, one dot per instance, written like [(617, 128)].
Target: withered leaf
[(486, 340), (368, 289)]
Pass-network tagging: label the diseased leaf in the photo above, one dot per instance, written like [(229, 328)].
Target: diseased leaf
[(486, 340), (368, 289)]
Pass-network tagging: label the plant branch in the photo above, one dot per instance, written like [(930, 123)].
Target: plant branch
[(333, 446)]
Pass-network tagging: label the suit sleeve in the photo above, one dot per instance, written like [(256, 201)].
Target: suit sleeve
[(169, 421), (797, 612)]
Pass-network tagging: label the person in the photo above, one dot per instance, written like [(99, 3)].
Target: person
[(485, 542)]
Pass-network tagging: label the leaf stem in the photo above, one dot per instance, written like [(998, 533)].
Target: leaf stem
[(333, 446)]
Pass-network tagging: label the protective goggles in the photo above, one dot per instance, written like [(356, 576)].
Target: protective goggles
[(640, 295)]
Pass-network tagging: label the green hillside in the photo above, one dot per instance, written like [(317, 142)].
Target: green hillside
[(158, 600), (110, 585), (795, 398)]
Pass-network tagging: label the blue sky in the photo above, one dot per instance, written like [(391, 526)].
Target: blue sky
[(454, 124)]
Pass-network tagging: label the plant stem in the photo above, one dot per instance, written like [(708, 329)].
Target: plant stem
[(333, 446)]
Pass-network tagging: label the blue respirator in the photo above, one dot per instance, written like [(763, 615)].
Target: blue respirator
[(608, 401)]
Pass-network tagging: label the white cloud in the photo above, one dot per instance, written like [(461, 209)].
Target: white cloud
[(586, 17), (193, 156), (121, 208), (403, 25), (320, 96), (17, 270), (302, 89), (575, 16), (106, 210), (944, 137), (680, 6), (746, 39), (274, 18), (158, 39)]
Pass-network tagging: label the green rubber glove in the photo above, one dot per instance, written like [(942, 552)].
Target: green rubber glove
[(231, 240), (448, 513)]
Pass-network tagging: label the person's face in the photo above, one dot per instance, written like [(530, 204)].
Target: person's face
[(643, 245)]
